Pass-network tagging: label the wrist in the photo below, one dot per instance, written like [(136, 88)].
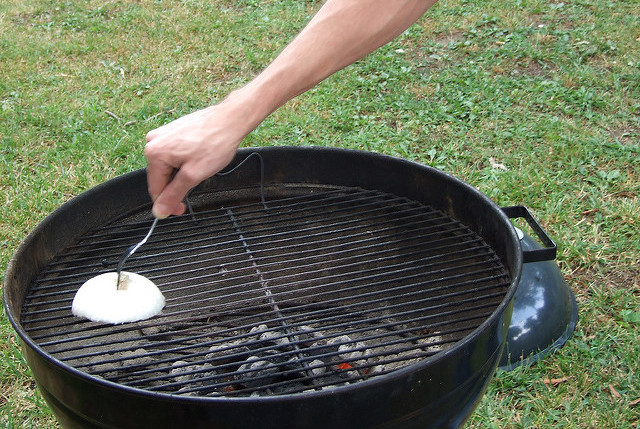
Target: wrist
[(251, 103)]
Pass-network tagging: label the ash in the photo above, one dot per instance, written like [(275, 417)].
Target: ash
[(269, 361)]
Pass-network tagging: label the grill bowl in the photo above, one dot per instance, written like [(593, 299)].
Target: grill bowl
[(440, 390)]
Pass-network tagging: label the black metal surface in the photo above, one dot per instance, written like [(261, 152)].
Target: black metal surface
[(450, 288)]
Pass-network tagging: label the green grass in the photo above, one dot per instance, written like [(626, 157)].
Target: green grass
[(548, 90)]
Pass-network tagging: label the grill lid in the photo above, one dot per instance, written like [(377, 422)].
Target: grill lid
[(321, 287)]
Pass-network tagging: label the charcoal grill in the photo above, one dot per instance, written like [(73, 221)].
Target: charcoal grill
[(310, 288)]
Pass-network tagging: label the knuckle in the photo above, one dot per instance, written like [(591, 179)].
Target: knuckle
[(190, 176)]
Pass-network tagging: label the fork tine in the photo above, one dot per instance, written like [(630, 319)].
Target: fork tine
[(131, 250)]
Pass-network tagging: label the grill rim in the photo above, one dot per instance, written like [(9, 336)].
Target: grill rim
[(101, 193)]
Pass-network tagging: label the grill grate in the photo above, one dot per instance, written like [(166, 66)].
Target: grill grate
[(321, 287)]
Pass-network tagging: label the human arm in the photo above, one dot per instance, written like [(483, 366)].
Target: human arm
[(190, 149)]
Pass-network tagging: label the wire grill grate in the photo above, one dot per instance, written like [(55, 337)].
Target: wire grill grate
[(322, 287)]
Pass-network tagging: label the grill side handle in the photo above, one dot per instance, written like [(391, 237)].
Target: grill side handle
[(546, 253)]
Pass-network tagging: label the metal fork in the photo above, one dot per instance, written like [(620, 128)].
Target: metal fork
[(131, 250)]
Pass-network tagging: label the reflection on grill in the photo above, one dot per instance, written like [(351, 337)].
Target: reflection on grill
[(323, 286)]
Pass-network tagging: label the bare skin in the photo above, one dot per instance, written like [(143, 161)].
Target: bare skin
[(194, 147)]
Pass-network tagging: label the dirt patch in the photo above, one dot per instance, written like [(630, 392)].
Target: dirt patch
[(524, 67), (431, 52), (533, 68), (613, 278), (625, 133), (444, 39)]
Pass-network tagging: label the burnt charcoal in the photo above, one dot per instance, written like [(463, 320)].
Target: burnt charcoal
[(121, 361), (306, 335), (258, 329), (230, 351), (183, 372), (317, 367), (257, 372), (277, 339), (352, 351), (294, 369)]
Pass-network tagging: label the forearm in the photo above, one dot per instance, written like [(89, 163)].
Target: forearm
[(342, 32)]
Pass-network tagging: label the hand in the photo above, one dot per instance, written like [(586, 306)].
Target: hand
[(190, 149)]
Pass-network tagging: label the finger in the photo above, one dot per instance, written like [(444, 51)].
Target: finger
[(159, 172), (157, 132), (158, 177), (160, 211), (169, 201), (150, 135)]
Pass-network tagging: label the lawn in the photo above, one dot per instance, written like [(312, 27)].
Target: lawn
[(533, 102)]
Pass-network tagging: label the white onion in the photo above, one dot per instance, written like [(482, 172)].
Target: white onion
[(99, 299)]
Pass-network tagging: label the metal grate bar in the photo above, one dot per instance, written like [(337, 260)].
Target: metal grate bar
[(317, 232), (117, 237), (298, 308), (305, 313), (373, 277), (359, 372), (63, 300), (291, 256), (277, 245), (364, 326)]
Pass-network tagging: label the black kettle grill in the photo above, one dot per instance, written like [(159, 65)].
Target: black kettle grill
[(312, 287)]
